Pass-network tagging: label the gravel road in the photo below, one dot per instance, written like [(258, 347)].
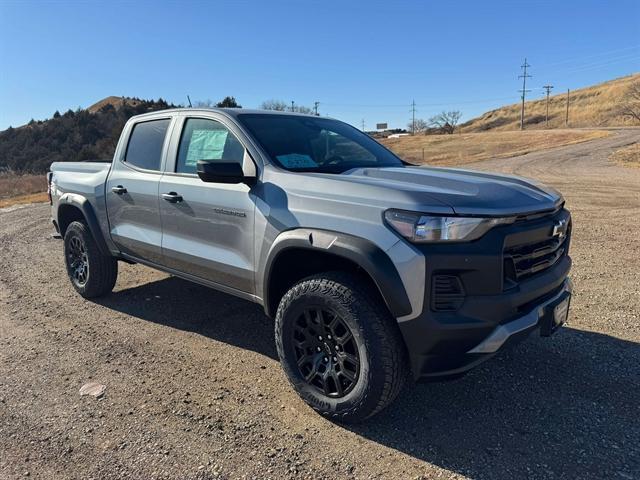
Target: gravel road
[(193, 389)]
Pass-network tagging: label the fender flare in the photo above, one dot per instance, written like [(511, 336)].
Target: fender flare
[(85, 207), (364, 253)]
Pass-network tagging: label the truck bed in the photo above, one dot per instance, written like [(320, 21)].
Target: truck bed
[(79, 177)]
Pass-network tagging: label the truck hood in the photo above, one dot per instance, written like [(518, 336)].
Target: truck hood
[(466, 192)]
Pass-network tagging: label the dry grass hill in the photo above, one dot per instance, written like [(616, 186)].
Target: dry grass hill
[(114, 101), (595, 106), (461, 149)]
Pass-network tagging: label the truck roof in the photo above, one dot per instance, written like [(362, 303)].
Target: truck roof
[(230, 112)]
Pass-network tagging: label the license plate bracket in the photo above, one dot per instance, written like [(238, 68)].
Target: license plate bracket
[(555, 315)]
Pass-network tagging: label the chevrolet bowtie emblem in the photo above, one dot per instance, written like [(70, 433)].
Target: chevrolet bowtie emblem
[(560, 229)]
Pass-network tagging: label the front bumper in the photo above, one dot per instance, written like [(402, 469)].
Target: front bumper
[(493, 312), (451, 349), (525, 324)]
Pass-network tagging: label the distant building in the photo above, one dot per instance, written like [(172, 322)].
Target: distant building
[(398, 135)]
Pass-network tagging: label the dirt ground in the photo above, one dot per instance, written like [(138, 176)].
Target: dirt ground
[(194, 390)]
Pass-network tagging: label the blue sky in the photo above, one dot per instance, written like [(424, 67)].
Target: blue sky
[(360, 60)]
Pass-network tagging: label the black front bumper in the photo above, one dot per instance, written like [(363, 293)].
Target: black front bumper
[(443, 343)]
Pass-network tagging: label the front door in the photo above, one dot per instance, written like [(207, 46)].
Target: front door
[(207, 228), (132, 192)]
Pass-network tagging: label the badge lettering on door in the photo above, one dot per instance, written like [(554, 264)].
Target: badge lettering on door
[(234, 213)]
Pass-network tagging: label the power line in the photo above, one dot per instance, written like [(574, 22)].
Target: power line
[(600, 64), (588, 57), (524, 90), (403, 105)]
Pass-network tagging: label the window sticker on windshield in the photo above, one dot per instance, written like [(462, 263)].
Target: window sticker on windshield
[(206, 145), (296, 160)]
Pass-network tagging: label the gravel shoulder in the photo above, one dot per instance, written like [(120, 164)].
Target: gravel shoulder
[(194, 390)]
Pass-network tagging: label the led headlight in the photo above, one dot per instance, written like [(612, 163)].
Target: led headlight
[(420, 228)]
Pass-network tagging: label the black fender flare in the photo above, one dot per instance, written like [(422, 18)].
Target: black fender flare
[(85, 207), (364, 253)]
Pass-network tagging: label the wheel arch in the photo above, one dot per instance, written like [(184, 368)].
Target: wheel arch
[(299, 253), (77, 208)]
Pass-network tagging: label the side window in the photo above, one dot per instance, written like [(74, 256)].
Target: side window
[(204, 139), (145, 144)]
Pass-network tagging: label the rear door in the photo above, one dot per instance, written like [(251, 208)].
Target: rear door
[(207, 228), (132, 190)]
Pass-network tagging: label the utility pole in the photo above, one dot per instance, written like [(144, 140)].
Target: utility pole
[(413, 117), (548, 89), (189, 101), (524, 90), (363, 124), (315, 108), (566, 118)]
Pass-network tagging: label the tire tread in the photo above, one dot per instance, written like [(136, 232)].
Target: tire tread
[(348, 290), (103, 269)]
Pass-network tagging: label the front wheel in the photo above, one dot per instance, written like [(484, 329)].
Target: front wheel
[(92, 274), (339, 347)]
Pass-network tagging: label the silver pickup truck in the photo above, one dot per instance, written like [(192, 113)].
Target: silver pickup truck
[(373, 269)]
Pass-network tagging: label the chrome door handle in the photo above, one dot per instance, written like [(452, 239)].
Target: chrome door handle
[(119, 189), (172, 197)]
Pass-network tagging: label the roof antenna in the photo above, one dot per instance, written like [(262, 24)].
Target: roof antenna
[(190, 106)]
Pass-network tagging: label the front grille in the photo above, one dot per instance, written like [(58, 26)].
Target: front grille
[(526, 260), (447, 293)]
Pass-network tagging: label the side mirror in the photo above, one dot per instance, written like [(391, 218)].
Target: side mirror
[(221, 172)]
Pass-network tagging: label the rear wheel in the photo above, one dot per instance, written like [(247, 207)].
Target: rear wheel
[(339, 346), (92, 274)]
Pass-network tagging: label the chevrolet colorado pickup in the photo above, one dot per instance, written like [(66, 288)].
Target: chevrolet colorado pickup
[(374, 270)]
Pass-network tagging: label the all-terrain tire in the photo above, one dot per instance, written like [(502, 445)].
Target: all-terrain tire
[(383, 365), (91, 273)]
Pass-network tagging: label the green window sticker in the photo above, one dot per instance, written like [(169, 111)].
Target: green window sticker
[(296, 160), (206, 145)]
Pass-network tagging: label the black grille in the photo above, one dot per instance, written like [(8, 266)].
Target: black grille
[(523, 261), (447, 293)]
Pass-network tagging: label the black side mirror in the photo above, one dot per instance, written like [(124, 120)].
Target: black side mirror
[(220, 172)]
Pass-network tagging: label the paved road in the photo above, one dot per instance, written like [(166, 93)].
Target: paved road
[(194, 390)]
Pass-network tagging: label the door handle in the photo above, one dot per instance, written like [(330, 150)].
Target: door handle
[(172, 197), (119, 189)]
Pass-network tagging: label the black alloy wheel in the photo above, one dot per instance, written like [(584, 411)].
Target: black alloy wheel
[(91, 273), (326, 352), (78, 261)]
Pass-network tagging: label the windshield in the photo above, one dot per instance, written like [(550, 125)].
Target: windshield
[(308, 144)]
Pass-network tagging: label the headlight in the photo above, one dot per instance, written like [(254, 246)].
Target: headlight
[(420, 228)]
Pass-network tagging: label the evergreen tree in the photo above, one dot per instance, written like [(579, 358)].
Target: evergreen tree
[(73, 136), (228, 102)]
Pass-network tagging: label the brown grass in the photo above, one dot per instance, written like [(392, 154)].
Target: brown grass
[(23, 199), (12, 184), (628, 156), (465, 148), (18, 189), (116, 102), (595, 106)]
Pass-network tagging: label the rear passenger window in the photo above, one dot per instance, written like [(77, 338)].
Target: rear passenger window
[(204, 139), (145, 144)]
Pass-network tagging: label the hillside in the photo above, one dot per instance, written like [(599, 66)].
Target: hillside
[(465, 148), (83, 134), (115, 102), (595, 106)]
